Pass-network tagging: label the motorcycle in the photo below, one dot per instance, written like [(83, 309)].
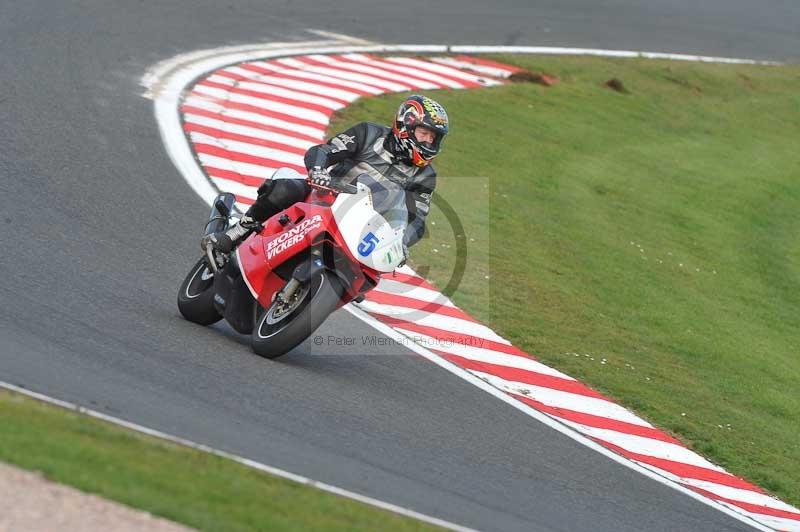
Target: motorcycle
[(299, 266)]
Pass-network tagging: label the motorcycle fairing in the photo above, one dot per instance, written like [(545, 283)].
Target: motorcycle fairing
[(371, 239), (308, 223)]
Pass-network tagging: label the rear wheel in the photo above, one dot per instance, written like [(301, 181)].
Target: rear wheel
[(284, 325), (196, 295)]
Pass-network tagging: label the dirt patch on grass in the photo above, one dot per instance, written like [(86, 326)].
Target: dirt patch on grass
[(615, 84), (28, 501), (526, 76)]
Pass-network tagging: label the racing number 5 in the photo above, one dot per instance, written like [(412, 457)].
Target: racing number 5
[(367, 246)]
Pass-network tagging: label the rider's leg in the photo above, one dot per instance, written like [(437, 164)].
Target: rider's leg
[(285, 188), (276, 194)]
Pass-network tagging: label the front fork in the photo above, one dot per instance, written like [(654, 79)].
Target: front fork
[(302, 274), (218, 222), (215, 262)]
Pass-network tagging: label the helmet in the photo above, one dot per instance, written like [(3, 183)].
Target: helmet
[(418, 111)]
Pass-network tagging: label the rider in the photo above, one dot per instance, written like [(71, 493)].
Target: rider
[(402, 154)]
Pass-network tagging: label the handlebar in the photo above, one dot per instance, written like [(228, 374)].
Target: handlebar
[(340, 188)]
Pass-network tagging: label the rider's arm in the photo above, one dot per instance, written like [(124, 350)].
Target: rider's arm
[(419, 203), (343, 146)]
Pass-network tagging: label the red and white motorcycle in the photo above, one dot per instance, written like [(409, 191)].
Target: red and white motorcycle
[(287, 277)]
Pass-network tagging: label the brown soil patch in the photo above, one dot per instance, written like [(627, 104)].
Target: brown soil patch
[(616, 84), (28, 501), (526, 76)]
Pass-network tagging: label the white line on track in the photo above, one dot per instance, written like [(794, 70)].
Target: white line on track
[(552, 50), (235, 458)]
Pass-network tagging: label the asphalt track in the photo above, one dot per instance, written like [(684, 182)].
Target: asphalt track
[(99, 229)]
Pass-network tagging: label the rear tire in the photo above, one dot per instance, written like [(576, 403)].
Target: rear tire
[(196, 295), (285, 332)]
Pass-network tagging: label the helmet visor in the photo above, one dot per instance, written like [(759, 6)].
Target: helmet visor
[(428, 140)]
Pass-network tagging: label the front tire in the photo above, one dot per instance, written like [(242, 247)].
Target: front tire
[(196, 295), (277, 332)]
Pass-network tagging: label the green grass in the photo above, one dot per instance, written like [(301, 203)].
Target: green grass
[(658, 229), (171, 481)]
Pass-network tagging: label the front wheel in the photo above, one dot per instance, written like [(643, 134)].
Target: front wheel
[(283, 326), (196, 295)]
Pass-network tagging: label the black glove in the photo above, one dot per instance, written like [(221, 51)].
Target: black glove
[(320, 176)]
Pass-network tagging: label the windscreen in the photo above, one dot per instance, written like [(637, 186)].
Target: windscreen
[(388, 200)]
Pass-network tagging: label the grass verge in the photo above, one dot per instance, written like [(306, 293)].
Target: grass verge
[(187, 486), (645, 242)]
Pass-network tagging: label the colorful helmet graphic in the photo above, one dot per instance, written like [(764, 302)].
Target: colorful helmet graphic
[(419, 111)]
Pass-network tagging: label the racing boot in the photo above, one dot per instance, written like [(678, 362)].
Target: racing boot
[(225, 241)]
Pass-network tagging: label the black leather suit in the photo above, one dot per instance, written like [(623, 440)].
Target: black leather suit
[(364, 148)]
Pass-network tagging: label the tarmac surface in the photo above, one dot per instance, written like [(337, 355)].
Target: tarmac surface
[(100, 229)]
